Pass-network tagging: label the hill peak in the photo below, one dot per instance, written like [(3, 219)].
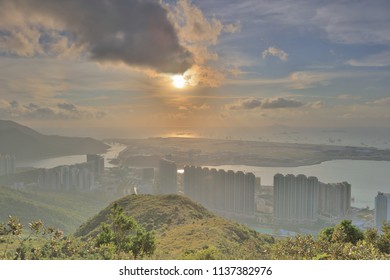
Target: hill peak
[(152, 211), (184, 229), (11, 125)]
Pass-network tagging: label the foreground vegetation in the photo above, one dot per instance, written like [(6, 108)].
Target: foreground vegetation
[(341, 242), (123, 238), (174, 227)]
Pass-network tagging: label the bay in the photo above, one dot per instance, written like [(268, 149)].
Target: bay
[(112, 153), (367, 178)]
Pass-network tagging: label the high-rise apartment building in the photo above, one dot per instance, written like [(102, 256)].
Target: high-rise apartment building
[(77, 177), (167, 177), (295, 198), (382, 209), (98, 164), (220, 190), (7, 164), (239, 185), (301, 199), (229, 191), (249, 193), (335, 199)]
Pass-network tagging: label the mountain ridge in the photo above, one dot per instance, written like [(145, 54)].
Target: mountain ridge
[(26, 143)]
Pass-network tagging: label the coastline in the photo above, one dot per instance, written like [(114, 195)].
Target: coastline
[(199, 151)]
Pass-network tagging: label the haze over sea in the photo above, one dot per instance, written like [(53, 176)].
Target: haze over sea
[(111, 153)]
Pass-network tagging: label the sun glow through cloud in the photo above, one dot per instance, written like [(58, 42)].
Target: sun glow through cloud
[(178, 81)]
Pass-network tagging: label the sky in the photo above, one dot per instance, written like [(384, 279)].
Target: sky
[(105, 68)]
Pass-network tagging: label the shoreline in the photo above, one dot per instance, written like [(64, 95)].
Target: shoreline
[(199, 151), (298, 164)]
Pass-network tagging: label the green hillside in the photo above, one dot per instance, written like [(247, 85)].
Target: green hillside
[(185, 230), (64, 210), (178, 229)]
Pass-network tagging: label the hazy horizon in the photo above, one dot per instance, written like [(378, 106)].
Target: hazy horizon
[(377, 137)]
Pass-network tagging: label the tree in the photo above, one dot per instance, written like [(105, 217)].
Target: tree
[(13, 228), (341, 242), (300, 247), (344, 232), (125, 236), (122, 238), (384, 239), (22, 243)]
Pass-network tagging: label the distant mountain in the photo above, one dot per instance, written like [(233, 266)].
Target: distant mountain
[(26, 143), (185, 229)]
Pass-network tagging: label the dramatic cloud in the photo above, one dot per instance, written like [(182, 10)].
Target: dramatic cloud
[(267, 103), (199, 34), (195, 28), (282, 55), (203, 75), (134, 32), (159, 38)]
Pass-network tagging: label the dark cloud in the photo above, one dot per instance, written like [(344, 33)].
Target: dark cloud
[(63, 111), (31, 106), (267, 103), (42, 113), (134, 32), (14, 104), (250, 104), (67, 107)]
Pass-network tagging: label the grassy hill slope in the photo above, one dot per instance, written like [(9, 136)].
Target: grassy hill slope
[(64, 210), (186, 230)]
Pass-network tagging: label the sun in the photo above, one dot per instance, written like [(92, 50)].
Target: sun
[(178, 81)]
